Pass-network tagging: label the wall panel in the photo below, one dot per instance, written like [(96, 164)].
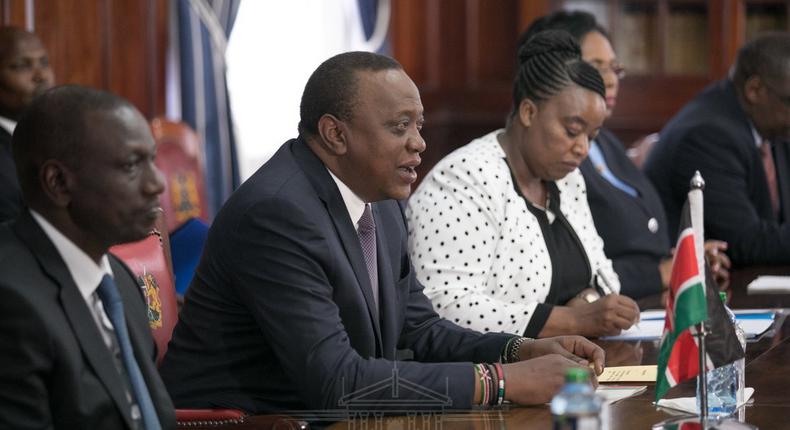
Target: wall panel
[(461, 55), (115, 45)]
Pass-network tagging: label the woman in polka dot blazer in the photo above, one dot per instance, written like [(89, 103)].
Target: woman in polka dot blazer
[(500, 232)]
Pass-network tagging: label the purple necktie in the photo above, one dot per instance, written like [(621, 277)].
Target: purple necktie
[(367, 238), (770, 174)]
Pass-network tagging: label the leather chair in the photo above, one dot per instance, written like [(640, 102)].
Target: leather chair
[(184, 201), (179, 155), (149, 260)]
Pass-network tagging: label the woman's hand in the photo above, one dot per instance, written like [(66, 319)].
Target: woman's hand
[(607, 316)]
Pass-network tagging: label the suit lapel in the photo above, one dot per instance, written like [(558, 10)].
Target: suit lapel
[(327, 191), (605, 143), (76, 310), (782, 163)]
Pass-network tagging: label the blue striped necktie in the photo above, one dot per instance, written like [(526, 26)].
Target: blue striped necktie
[(113, 306)]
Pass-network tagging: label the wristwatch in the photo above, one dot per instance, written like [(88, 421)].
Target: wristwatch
[(589, 296)]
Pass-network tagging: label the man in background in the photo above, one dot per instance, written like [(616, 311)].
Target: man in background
[(735, 133), (24, 74), (75, 348)]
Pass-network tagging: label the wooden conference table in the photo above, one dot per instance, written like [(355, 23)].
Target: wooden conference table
[(767, 370)]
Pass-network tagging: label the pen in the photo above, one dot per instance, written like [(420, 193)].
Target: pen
[(605, 288)]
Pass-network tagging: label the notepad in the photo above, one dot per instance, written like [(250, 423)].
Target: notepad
[(754, 323), (612, 393), (769, 285), (629, 374), (650, 329)]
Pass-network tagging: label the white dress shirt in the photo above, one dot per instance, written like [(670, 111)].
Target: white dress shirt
[(354, 204), (7, 124), (86, 275)]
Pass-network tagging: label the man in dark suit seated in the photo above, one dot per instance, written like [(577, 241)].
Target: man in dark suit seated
[(75, 348), (305, 291), (24, 74), (735, 133)]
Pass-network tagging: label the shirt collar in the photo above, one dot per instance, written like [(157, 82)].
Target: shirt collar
[(8, 124), (84, 271), (758, 140), (354, 204)]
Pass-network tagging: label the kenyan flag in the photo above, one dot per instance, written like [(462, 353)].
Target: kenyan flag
[(693, 298), (678, 359)]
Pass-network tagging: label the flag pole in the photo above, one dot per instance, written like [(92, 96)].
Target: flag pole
[(697, 183)]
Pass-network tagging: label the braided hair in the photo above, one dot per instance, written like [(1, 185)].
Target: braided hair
[(549, 62)]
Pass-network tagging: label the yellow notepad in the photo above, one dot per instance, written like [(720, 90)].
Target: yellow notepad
[(629, 374)]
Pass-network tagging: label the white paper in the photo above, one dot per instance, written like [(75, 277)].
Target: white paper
[(769, 285), (614, 393), (754, 322), (689, 404), (650, 329)]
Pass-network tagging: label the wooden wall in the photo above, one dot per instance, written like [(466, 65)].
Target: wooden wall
[(461, 54), (115, 45)]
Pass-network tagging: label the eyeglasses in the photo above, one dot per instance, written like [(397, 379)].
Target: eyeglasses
[(614, 67)]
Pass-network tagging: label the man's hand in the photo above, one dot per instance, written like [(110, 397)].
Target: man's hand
[(575, 348), (719, 262), (537, 380)]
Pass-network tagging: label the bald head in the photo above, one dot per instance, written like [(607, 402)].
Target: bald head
[(56, 126), (24, 70), (85, 160), (762, 79)]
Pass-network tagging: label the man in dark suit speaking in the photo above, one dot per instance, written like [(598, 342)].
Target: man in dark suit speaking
[(735, 133), (305, 290), (75, 348)]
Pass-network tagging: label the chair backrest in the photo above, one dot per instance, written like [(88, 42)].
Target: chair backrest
[(180, 157), (149, 261), (186, 247)]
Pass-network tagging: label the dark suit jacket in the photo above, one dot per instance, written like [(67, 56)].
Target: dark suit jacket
[(712, 134), (10, 194), (280, 313), (55, 371), (622, 220)]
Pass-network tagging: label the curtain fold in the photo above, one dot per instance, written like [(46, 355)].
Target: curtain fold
[(202, 30)]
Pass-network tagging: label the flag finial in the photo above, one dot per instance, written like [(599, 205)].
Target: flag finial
[(697, 183)]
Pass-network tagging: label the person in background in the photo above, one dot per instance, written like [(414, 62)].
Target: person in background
[(500, 231), (75, 348), (305, 291), (625, 206), (736, 133), (24, 74)]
